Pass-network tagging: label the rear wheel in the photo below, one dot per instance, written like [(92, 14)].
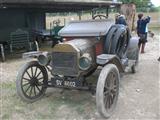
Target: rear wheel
[(107, 90), (133, 69), (134, 66), (31, 81)]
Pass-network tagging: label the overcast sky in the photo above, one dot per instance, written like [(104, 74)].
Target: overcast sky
[(156, 2)]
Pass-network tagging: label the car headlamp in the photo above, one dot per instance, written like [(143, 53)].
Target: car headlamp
[(85, 62), (43, 59)]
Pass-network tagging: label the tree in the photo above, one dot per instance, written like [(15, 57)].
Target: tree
[(129, 10), (140, 4)]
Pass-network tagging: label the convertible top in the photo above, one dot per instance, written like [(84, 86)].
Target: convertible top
[(86, 28)]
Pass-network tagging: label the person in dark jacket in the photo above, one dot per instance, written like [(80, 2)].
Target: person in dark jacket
[(121, 20), (142, 31)]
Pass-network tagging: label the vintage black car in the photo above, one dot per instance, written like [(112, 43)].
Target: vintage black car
[(87, 46)]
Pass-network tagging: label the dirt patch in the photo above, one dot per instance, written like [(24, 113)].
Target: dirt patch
[(138, 99)]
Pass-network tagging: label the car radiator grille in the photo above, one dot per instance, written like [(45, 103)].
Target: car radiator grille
[(64, 63)]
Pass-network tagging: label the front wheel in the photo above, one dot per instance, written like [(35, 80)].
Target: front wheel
[(107, 90), (31, 81)]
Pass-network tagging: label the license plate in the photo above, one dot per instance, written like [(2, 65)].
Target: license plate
[(57, 81), (65, 83)]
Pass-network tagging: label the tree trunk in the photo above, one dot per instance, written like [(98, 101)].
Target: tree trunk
[(129, 10)]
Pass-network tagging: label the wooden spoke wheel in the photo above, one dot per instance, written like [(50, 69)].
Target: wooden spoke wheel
[(107, 90), (134, 67), (31, 81)]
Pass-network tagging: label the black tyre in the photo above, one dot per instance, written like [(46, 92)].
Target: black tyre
[(117, 40), (109, 38), (107, 90), (32, 80), (134, 67), (137, 57)]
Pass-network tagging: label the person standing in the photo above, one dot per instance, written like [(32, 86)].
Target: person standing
[(121, 20), (142, 31)]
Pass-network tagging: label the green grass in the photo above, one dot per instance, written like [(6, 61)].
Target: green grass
[(69, 105), (9, 85)]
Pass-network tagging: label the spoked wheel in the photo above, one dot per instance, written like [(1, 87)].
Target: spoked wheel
[(107, 90), (31, 81), (134, 67)]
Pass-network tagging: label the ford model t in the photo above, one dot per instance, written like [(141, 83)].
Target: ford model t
[(88, 45)]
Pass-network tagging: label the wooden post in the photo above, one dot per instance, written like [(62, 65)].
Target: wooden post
[(80, 15), (107, 11), (2, 52), (129, 10)]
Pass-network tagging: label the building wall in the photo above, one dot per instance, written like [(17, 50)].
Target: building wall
[(11, 20)]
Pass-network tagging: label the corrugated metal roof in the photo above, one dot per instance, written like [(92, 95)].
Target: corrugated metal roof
[(57, 5), (58, 1)]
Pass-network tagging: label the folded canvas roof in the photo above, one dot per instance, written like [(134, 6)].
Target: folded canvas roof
[(87, 28)]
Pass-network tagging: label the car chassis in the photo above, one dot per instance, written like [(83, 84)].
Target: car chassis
[(88, 45)]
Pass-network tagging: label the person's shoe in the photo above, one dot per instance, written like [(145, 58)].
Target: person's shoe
[(159, 59), (142, 52)]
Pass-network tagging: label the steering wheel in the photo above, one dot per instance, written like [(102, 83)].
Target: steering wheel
[(100, 17)]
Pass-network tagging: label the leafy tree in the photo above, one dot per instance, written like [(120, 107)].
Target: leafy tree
[(142, 5), (138, 3)]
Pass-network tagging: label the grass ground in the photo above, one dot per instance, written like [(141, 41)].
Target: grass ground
[(70, 104), (54, 105), (138, 98)]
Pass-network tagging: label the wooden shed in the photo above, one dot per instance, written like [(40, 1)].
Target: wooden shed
[(30, 14)]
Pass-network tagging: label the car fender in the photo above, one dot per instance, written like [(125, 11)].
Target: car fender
[(104, 59), (33, 54)]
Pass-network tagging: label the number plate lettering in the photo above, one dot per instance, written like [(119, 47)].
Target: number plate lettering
[(65, 83), (59, 82), (69, 84)]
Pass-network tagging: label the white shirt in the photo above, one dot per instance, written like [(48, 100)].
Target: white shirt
[(146, 29)]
